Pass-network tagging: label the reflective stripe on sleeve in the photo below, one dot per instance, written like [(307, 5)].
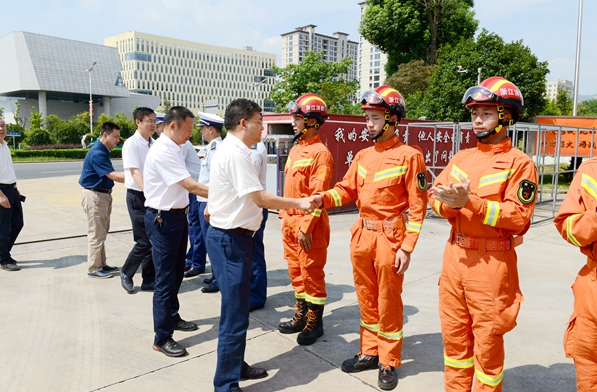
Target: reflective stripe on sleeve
[(317, 212), (390, 173), (492, 213), (303, 163), (456, 171), (495, 178), (590, 185), (336, 197), (438, 206), (569, 234), (361, 171), (413, 226)]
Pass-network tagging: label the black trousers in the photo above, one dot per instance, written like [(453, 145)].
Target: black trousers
[(140, 255), (11, 222)]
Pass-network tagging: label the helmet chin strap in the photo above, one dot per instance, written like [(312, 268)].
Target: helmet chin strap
[(385, 127), (502, 122), (300, 134)]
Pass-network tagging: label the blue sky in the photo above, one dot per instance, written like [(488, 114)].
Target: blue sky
[(548, 27)]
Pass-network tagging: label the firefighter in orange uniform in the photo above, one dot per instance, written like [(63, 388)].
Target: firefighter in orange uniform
[(386, 179), (306, 236), (488, 195), (576, 221)]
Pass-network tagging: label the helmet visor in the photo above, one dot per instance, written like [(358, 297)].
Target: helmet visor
[(372, 98), (294, 109), (479, 94)]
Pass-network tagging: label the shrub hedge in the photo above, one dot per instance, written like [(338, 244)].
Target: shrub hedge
[(73, 153)]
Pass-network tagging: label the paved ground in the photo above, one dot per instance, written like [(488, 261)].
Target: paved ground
[(65, 332)]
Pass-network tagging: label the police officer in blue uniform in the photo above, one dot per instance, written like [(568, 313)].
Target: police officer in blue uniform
[(211, 129)]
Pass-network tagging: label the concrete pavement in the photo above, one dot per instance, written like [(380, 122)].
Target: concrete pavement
[(65, 332)]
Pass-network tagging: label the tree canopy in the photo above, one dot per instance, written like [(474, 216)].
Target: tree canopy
[(314, 75), (513, 61), (588, 108), (414, 29)]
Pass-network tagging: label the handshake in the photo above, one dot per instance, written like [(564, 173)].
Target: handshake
[(310, 203)]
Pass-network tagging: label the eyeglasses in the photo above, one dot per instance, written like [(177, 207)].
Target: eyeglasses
[(150, 121), (257, 121)]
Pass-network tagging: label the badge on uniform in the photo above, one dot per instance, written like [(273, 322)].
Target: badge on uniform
[(422, 181), (213, 146), (526, 191)]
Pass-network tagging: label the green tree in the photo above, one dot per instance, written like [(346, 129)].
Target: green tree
[(127, 124), (415, 105), (411, 77), (551, 109), (35, 118), (588, 108), (314, 75), (564, 102), (513, 61), (62, 131), (1, 111), (414, 29), (166, 105)]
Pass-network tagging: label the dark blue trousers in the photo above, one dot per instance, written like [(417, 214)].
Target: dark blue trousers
[(232, 263), (168, 248), (204, 227), (196, 255), (140, 255), (259, 269), (11, 222)]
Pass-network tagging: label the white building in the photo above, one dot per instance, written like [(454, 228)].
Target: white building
[(297, 43), (197, 76), (372, 62), (552, 88)]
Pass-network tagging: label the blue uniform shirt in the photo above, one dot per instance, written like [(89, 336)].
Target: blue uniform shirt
[(95, 167)]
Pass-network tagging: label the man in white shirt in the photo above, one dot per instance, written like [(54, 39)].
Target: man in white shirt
[(236, 199), (211, 129), (167, 184), (11, 210), (134, 151), (259, 269)]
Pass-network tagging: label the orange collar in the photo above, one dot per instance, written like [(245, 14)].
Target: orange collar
[(311, 140), (387, 144), (503, 146)]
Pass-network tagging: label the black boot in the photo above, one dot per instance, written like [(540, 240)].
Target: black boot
[(314, 327), (298, 321)]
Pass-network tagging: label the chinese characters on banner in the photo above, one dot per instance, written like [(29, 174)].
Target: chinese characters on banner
[(587, 141)]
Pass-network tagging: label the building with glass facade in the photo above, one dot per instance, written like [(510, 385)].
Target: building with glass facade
[(372, 62), (198, 76)]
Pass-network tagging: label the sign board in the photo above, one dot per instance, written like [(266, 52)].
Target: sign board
[(13, 133), (572, 139)]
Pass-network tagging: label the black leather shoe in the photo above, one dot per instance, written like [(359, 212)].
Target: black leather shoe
[(127, 283), (210, 289), (109, 269), (388, 378), (208, 280), (9, 266), (171, 348), (147, 286), (187, 267), (359, 362), (185, 326), (253, 373), (192, 272)]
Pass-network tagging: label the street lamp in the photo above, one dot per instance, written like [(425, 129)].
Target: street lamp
[(577, 66), (257, 80), (459, 69), (89, 70)]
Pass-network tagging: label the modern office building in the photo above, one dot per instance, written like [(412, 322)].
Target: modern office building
[(198, 76), (372, 62), (50, 74), (552, 88), (297, 43)]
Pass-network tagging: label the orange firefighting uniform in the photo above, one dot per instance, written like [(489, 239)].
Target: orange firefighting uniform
[(386, 179), (308, 170), (577, 222), (479, 294)]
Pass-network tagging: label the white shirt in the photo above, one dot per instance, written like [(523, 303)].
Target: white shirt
[(206, 164), (7, 173), (232, 178), (164, 168), (134, 152), (191, 160), (259, 159)]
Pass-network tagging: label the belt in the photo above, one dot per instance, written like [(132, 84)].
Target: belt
[(173, 211), (384, 225), (241, 231), (9, 186), (135, 192), (489, 244), (100, 190)]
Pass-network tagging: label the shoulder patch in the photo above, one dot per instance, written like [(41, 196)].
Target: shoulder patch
[(422, 181), (213, 146), (526, 191)]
